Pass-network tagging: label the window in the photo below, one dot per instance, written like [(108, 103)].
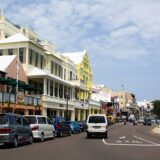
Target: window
[(64, 74), (30, 56), (70, 75), (12, 119), (18, 121), (21, 54), (41, 120), (1, 52), (59, 71), (96, 119), (56, 68), (36, 60), (25, 122), (10, 51), (41, 61), (52, 67), (48, 121)]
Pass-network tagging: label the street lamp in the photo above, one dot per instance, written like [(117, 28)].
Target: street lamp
[(67, 98)]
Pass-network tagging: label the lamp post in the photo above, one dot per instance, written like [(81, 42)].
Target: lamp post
[(67, 99)]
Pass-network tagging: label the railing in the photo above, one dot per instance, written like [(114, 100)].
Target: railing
[(11, 98)]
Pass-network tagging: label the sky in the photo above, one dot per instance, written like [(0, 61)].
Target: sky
[(122, 37)]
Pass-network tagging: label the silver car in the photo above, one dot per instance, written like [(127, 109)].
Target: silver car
[(14, 130), (42, 127)]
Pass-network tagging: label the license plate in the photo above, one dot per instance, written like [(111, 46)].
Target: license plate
[(96, 127)]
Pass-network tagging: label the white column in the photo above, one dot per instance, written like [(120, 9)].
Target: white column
[(57, 112), (79, 114), (73, 115), (44, 112), (62, 113), (49, 87), (84, 114), (45, 86), (58, 90)]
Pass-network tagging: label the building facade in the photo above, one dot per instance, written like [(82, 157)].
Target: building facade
[(63, 84)]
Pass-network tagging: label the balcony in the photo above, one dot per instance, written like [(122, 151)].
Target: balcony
[(6, 97)]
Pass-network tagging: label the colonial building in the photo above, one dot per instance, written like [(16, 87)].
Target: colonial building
[(64, 85)]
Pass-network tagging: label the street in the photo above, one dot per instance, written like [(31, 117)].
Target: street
[(125, 142)]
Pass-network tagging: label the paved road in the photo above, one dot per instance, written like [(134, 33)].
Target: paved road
[(124, 143)]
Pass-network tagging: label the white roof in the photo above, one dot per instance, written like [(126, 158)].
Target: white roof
[(19, 37), (36, 72), (5, 61), (76, 57)]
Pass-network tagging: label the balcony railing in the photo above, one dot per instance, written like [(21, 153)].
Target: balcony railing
[(11, 98)]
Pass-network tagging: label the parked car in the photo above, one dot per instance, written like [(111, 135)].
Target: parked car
[(97, 125), (61, 126), (141, 120), (147, 121), (42, 127), (14, 130), (75, 127), (82, 125)]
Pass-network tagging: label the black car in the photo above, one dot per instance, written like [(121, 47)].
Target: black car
[(61, 126), (82, 125), (14, 130), (147, 121)]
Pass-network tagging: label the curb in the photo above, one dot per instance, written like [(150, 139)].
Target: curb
[(156, 130)]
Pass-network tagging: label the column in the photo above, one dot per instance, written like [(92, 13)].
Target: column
[(73, 115), (79, 114), (84, 114), (57, 112), (58, 90), (45, 86), (44, 112), (62, 113)]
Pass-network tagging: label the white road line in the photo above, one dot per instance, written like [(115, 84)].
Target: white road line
[(122, 137), (137, 145), (144, 140)]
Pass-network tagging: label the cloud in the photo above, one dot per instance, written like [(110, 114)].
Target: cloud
[(115, 32)]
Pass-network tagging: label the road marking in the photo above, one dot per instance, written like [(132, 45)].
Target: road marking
[(144, 140), (122, 137), (118, 141), (136, 145)]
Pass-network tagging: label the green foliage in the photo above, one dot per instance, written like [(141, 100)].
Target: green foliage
[(156, 109)]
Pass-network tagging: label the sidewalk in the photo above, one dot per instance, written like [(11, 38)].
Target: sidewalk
[(156, 130)]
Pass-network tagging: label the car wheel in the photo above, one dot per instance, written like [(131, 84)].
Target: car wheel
[(30, 139), (53, 135), (88, 135), (69, 133), (15, 142), (42, 137), (106, 135)]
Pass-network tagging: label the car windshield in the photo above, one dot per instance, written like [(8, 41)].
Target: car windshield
[(96, 119), (31, 120), (3, 119)]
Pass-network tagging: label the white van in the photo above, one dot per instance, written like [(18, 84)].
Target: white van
[(42, 127), (97, 125)]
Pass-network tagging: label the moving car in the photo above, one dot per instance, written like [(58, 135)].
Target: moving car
[(42, 127), (61, 126), (97, 125), (14, 130)]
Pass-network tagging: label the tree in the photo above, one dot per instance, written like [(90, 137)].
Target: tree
[(156, 105)]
